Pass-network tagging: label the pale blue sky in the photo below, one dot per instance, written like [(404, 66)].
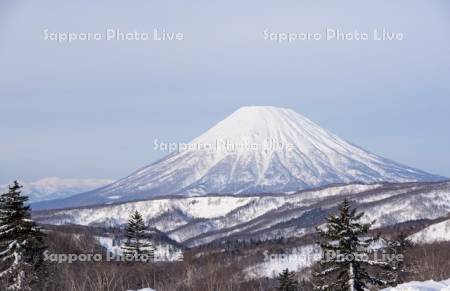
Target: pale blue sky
[(93, 109)]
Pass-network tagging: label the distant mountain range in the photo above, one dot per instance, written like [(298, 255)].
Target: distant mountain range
[(258, 149), (57, 188)]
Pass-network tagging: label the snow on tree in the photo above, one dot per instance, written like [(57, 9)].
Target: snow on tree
[(346, 263), (137, 243), (398, 246), (21, 242), (287, 281)]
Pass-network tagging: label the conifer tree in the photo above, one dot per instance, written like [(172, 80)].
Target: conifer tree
[(137, 244), (346, 255), (21, 243), (287, 282)]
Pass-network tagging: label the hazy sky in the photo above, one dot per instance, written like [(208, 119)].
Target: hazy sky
[(91, 109)]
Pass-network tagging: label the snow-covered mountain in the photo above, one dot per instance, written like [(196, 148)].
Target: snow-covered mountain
[(258, 149), (55, 188), (203, 219)]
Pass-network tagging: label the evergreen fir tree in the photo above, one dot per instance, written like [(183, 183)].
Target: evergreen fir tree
[(287, 282), (21, 243), (350, 270), (137, 244)]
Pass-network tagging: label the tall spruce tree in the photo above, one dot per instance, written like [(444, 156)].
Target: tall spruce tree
[(137, 240), (287, 282), (347, 259), (21, 243)]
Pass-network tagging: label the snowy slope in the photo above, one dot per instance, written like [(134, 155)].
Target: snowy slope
[(203, 219), (257, 149), (55, 188), (438, 232), (422, 286)]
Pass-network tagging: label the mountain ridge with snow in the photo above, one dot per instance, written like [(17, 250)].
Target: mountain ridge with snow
[(204, 219)]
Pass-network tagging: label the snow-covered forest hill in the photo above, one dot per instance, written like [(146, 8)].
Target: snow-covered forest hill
[(201, 220), (235, 264)]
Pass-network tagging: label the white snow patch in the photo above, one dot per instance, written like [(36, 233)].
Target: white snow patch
[(114, 197), (294, 260), (422, 286)]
